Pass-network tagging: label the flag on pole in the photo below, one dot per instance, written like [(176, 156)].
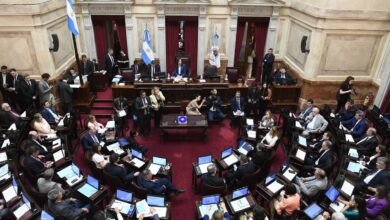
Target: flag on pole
[(147, 52), (72, 22)]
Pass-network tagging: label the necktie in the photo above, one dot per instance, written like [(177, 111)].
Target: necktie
[(355, 125), (136, 69), (239, 104), (14, 115), (152, 72), (28, 82), (95, 139), (85, 68), (283, 76), (14, 81), (112, 60), (362, 140)]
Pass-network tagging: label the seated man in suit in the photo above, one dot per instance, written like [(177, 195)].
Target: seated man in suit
[(119, 170), (121, 107), (316, 145), (377, 177), (46, 183), (309, 107), (152, 69), (91, 138), (244, 168), (311, 186), (34, 162), (323, 161), (136, 67), (133, 143), (366, 145), (211, 179), (7, 116), (157, 186), (348, 111), (213, 103), (68, 209), (282, 77), (35, 140), (355, 126), (180, 70), (315, 123), (238, 109), (49, 114)]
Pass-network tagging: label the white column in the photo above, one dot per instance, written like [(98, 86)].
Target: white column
[(161, 47), (272, 26), (201, 39), (384, 72), (89, 33), (232, 36), (129, 33)]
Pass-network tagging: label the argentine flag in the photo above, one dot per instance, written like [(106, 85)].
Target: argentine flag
[(147, 53), (72, 22)]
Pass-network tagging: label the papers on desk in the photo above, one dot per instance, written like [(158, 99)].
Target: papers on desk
[(154, 168), (137, 162), (9, 193), (275, 186), (337, 206), (353, 153), (23, 115), (101, 131), (203, 209), (300, 154), (122, 113), (110, 124), (87, 190), (354, 167), (12, 127), (349, 138), (347, 188), (249, 122), (124, 207), (113, 146), (289, 173), (240, 204), (297, 124), (142, 208), (232, 159), (332, 115), (4, 169), (251, 133), (58, 155), (3, 157), (75, 86), (66, 172), (203, 167), (237, 113), (6, 142), (19, 212), (161, 211)]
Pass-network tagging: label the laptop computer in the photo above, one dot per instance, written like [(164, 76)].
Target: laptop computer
[(313, 211), (26, 201), (136, 154), (212, 199), (124, 195), (159, 160), (241, 192), (302, 141), (46, 216), (155, 201), (204, 162), (74, 176), (244, 148), (9, 193), (122, 202), (227, 152), (59, 156), (347, 188), (90, 187), (332, 194)]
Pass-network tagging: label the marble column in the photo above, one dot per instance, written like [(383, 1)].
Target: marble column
[(129, 23), (89, 33), (232, 36), (384, 70), (161, 50), (201, 39), (272, 27)]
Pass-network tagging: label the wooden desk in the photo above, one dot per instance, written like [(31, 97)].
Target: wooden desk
[(95, 198), (196, 174), (101, 81), (83, 99), (221, 162), (286, 96), (249, 198), (194, 122), (163, 172)]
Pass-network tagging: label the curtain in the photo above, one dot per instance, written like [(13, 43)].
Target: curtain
[(191, 44), (385, 107), (100, 39), (260, 37), (172, 31), (239, 37)]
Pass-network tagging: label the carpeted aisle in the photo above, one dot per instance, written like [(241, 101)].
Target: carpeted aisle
[(182, 154)]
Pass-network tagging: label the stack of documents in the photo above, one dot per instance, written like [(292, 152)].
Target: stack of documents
[(232, 159), (275, 186), (137, 162), (240, 204)]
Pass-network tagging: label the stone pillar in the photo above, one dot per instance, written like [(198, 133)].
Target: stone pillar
[(129, 23), (161, 47), (272, 27), (201, 40), (384, 71), (89, 33), (232, 36)]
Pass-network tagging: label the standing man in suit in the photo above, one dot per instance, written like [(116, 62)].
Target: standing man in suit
[(315, 123), (157, 186), (238, 109), (114, 168), (86, 68), (27, 93), (13, 81), (153, 68), (244, 168), (355, 126), (121, 108), (7, 115), (45, 90), (366, 145), (213, 105), (3, 83), (268, 62), (253, 97), (143, 106), (282, 77), (109, 63), (65, 92), (181, 70), (211, 178), (91, 138), (136, 67)]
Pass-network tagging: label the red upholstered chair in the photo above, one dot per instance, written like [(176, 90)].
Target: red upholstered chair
[(233, 74), (183, 106)]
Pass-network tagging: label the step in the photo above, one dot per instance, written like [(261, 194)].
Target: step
[(101, 107), (103, 100)]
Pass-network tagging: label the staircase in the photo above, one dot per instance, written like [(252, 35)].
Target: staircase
[(102, 107)]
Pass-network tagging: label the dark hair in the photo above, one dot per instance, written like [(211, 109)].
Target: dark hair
[(244, 158), (45, 76), (361, 206), (383, 150), (12, 70), (258, 212), (349, 78), (381, 191), (290, 189), (83, 56), (32, 150), (351, 101), (310, 100), (95, 148), (99, 215), (328, 134), (4, 67), (196, 96), (142, 91), (238, 91), (114, 157)]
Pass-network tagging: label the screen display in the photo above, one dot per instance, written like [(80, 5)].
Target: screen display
[(214, 199), (240, 192), (93, 182), (124, 196), (313, 210), (204, 159), (155, 200), (46, 216), (160, 161), (26, 201), (226, 152), (136, 154), (302, 141), (75, 169), (332, 194)]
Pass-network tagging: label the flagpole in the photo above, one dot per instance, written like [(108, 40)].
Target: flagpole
[(76, 53)]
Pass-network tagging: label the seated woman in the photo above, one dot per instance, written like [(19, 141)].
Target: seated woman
[(267, 122), (265, 147), (98, 158), (42, 126), (354, 209), (92, 123), (287, 202), (377, 204), (193, 107)]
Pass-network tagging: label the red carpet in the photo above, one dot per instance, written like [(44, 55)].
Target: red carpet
[(182, 154)]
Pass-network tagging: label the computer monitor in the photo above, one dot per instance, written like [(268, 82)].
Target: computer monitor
[(155, 201), (302, 141), (93, 182), (75, 169), (270, 178), (46, 216), (313, 211), (124, 196), (204, 159), (136, 154), (240, 192), (332, 194), (227, 152), (160, 161), (26, 201), (213, 199)]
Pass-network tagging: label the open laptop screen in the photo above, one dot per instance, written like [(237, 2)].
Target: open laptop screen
[(213, 199), (155, 201), (226, 152), (240, 192), (204, 159), (93, 182), (124, 196), (160, 161)]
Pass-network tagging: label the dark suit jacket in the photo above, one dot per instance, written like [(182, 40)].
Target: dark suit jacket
[(359, 129), (89, 68), (35, 166), (119, 171), (213, 101), (149, 70), (215, 181), (278, 78), (29, 142), (88, 141), (121, 103), (10, 82), (108, 65), (382, 178), (138, 68), (244, 170), (139, 104), (235, 106), (156, 187), (65, 209), (367, 147), (48, 116), (346, 114), (6, 119), (326, 161), (183, 71), (254, 95), (269, 58), (26, 92), (65, 92)]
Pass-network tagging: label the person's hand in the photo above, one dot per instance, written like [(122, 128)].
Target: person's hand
[(136, 173), (116, 210), (34, 97), (141, 217), (41, 156), (152, 210), (223, 206), (282, 193), (73, 199), (326, 215), (372, 189), (85, 210)]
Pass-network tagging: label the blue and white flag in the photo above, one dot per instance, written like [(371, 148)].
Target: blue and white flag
[(72, 22), (147, 52)]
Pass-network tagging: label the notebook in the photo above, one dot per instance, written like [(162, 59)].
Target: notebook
[(136, 154), (289, 174), (240, 204), (203, 163), (9, 193), (302, 141), (347, 188), (122, 202), (89, 188), (159, 160), (58, 155), (244, 148), (26, 201), (212, 199), (301, 154)]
